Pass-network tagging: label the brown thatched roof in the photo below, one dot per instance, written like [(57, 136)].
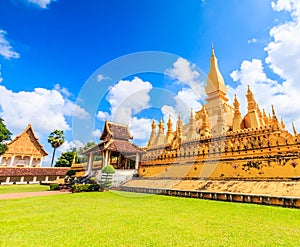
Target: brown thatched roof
[(115, 131)]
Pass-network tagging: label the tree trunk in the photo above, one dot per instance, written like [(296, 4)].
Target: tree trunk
[(53, 157)]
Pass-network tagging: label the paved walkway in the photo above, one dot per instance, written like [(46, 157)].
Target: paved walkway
[(30, 194)]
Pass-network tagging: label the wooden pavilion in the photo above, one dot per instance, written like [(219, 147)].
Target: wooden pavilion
[(116, 148)]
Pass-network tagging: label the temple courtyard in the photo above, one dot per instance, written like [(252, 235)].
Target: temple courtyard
[(129, 219)]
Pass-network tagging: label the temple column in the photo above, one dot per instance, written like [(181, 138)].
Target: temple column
[(30, 161), (137, 161), (103, 158), (12, 160), (41, 161), (106, 158), (90, 163), (0, 160)]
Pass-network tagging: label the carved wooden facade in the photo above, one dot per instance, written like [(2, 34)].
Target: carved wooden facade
[(24, 151)]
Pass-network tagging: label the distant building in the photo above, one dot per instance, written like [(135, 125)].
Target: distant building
[(24, 151)]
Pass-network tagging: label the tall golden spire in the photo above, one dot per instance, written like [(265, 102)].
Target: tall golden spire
[(161, 135), (265, 117), (215, 81), (192, 134), (153, 137), (274, 117), (205, 120), (170, 125), (237, 118), (170, 134), (294, 129)]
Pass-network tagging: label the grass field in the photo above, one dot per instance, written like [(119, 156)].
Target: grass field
[(125, 219), (4, 189)]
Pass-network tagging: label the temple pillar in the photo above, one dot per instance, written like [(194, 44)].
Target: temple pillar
[(0, 160), (12, 160), (41, 161), (106, 158), (30, 161), (137, 162), (90, 163)]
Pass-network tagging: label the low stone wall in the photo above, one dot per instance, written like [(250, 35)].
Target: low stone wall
[(283, 201), (16, 175)]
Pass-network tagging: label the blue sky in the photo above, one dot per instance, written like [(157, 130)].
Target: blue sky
[(50, 49)]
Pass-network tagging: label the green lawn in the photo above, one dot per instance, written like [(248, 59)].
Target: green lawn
[(4, 189), (125, 219)]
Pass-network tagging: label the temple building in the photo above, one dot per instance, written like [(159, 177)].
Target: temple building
[(24, 151), (115, 148), (218, 142)]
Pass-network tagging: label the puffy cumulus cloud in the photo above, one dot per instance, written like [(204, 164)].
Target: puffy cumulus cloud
[(251, 73), (283, 53), (193, 91), (6, 50), (127, 98), (41, 3), (96, 133), (69, 145), (187, 74), (169, 111), (45, 109), (186, 99), (102, 116), (140, 128)]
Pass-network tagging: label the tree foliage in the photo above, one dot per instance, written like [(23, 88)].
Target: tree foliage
[(56, 139), (66, 159), (5, 135), (81, 157)]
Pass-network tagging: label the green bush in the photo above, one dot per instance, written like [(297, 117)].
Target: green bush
[(71, 173), (54, 187), (85, 187), (108, 169)]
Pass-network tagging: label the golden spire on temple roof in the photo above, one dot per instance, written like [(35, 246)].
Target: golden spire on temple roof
[(294, 129), (215, 81)]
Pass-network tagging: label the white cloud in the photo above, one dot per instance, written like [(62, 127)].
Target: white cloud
[(1, 79), (128, 98), (193, 91), (45, 109), (63, 90), (6, 50), (41, 3), (69, 145), (101, 77), (169, 111), (186, 73), (186, 99), (96, 133), (252, 41), (140, 128), (102, 116), (283, 58)]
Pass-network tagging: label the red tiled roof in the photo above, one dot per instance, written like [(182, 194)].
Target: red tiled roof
[(34, 171), (123, 146)]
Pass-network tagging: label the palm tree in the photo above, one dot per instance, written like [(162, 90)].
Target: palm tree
[(56, 139)]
